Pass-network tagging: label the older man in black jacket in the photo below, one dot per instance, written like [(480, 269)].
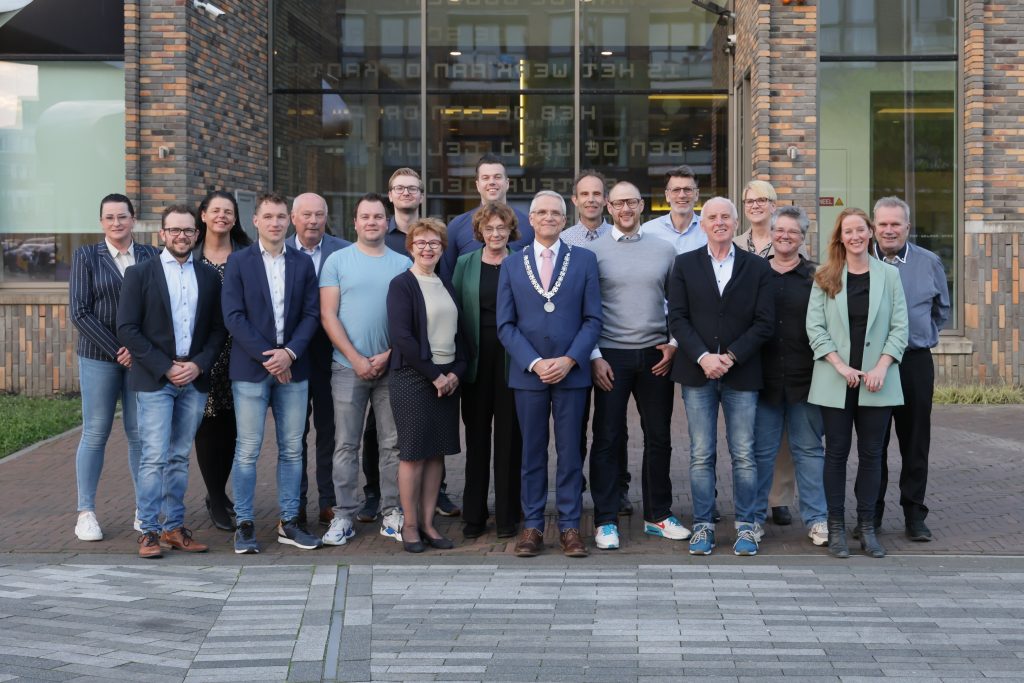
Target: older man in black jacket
[(720, 312)]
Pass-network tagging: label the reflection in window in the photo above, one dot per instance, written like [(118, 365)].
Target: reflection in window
[(887, 27), (62, 137)]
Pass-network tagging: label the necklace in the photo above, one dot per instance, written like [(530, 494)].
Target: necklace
[(549, 306)]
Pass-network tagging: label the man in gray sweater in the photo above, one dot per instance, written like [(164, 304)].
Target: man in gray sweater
[(633, 357)]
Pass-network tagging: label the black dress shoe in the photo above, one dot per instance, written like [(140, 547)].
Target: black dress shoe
[(918, 531), (509, 532), (716, 516), (441, 543), (219, 516), (625, 506), (472, 531), (781, 516)]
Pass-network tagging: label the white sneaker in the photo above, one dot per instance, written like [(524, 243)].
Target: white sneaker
[(758, 531), (137, 523), (818, 533), (669, 528), (339, 532), (391, 525), (607, 537), (88, 527)]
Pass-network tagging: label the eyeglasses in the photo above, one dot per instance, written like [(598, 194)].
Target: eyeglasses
[(175, 232), (617, 204), (759, 201), (433, 245), (405, 189), (501, 230), (685, 191)]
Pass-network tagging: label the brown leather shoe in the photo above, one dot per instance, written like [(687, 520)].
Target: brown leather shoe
[(326, 515), (149, 546), (530, 543), (181, 539), (572, 544)]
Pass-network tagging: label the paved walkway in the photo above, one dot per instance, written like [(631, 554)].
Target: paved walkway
[(905, 619), (975, 492)]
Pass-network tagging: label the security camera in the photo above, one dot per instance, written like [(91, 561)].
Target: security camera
[(212, 10), (730, 43)]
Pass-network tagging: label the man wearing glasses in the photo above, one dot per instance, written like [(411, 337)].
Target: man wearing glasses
[(492, 184), (405, 190), (353, 310), (681, 225), (169, 319)]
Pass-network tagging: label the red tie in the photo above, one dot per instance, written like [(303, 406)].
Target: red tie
[(547, 268)]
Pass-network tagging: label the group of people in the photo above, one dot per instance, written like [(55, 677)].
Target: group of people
[(518, 323)]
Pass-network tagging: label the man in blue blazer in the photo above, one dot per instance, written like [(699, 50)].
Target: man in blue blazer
[(97, 272), (549, 320), (720, 311), (169, 319), (309, 216), (271, 308)]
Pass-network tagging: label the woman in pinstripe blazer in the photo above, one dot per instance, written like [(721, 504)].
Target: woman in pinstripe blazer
[(97, 271)]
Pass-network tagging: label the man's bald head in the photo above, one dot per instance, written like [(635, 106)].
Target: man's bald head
[(309, 216)]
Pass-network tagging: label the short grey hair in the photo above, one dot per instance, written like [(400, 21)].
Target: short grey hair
[(732, 207), (548, 193), (892, 203), (794, 212)]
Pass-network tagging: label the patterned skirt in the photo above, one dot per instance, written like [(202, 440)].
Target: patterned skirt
[(427, 426)]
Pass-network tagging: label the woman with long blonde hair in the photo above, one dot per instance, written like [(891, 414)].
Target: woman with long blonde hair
[(857, 328)]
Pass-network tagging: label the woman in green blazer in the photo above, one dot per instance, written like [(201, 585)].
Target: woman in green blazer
[(857, 328), (486, 397)]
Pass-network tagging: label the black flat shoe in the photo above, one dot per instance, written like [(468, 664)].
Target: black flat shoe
[(413, 546), (440, 543), (471, 531), (510, 532), (219, 516)]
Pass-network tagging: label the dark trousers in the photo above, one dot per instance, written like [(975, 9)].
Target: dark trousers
[(653, 395), (215, 453), (319, 407), (623, 456), (913, 422), (536, 410), (871, 423), (484, 401)]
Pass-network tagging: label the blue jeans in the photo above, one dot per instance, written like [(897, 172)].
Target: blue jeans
[(288, 404), (102, 383), (740, 408), (168, 420), (803, 422)]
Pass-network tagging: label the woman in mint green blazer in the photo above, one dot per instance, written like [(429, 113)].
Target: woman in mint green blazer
[(486, 398), (857, 328)]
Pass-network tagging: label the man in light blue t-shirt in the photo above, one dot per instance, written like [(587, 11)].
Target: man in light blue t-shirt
[(353, 310)]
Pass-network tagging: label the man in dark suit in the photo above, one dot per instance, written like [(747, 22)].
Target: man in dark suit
[(271, 308), (492, 184), (549, 320), (721, 312), (309, 216), (97, 272), (169, 320)]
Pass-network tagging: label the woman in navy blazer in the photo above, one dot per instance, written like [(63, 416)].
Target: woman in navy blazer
[(428, 360), (857, 327)]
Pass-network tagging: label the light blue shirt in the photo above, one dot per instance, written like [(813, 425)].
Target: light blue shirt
[(274, 267), (362, 281), (580, 235), (723, 268), (687, 240), (184, 293), (315, 253)]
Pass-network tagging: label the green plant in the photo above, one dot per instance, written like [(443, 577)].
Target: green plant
[(25, 420), (978, 394)]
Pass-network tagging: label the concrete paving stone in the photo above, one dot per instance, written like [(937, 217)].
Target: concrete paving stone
[(239, 663), (35, 673), (305, 672), (123, 674), (238, 674)]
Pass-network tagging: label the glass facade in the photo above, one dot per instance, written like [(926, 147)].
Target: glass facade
[(62, 132), (361, 88), (888, 126)]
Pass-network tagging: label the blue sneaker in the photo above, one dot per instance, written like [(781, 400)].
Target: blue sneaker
[(703, 539), (245, 539), (746, 541)]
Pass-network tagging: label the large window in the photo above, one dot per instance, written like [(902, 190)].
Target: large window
[(62, 132), (887, 92), (362, 87)]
